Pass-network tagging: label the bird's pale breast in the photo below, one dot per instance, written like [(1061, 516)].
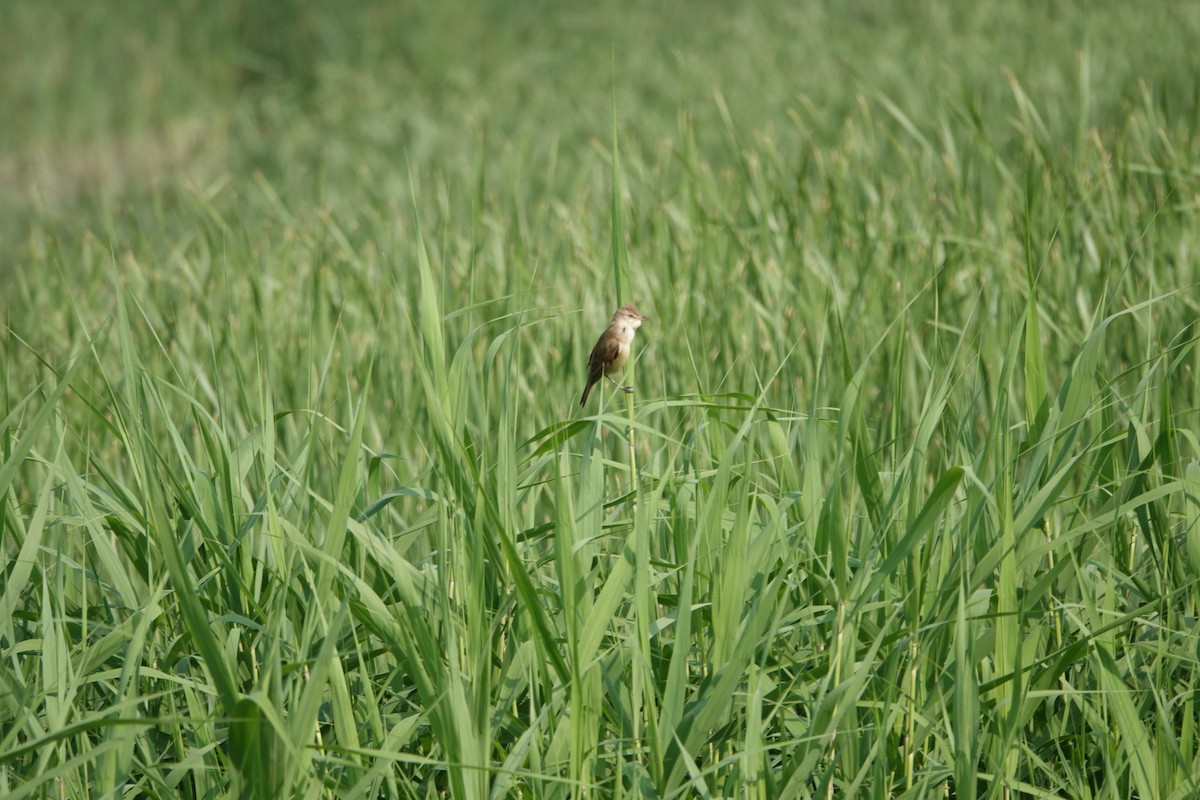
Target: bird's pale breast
[(621, 357)]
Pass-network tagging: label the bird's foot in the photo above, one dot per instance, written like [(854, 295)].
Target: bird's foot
[(627, 389)]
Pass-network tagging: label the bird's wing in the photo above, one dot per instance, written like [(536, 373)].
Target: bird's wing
[(606, 351)]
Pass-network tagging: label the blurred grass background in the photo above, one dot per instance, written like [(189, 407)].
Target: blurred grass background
[(130, 124), (297, 303), (108, 99)]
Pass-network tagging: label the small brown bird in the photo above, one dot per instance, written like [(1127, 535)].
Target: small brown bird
[(612, 350)]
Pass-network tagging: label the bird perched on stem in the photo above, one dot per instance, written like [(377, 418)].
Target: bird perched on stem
[(612, 350)]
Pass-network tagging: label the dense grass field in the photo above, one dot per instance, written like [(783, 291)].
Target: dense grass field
[(296, 498)]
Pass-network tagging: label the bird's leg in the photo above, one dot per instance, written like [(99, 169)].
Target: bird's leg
[(626, 389)]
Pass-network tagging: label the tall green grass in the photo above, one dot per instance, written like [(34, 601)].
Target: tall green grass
[(296, 499)]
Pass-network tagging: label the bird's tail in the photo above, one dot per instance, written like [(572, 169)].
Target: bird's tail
[(586, 391)]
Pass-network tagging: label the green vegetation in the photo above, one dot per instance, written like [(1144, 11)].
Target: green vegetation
[(296, 499)]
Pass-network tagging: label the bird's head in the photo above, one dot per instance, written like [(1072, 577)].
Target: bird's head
[(628, 314)]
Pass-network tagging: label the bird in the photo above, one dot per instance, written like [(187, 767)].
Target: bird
[(612, 349)]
